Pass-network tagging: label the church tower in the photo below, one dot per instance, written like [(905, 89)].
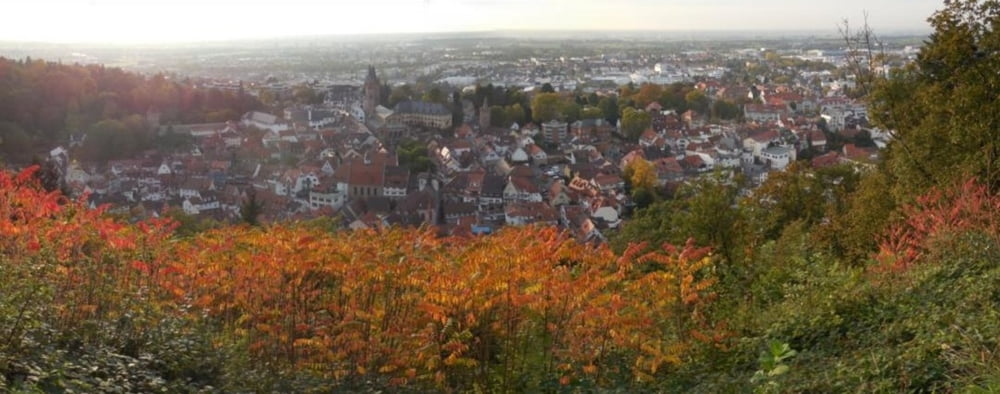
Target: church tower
[(372, 91), (484, 115)]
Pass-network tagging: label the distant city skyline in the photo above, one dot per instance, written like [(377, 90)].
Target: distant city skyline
[(170, 21)]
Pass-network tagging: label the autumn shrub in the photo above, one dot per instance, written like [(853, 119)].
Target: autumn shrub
[(969, 206), (512, 312), (80, 301)]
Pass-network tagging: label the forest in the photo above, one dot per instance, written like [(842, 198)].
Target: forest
[(879, 278), (43, 104)]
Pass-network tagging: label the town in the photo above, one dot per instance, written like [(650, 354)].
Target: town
[(482, 139)]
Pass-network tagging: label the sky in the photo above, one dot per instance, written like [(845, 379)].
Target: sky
[(167, 21)]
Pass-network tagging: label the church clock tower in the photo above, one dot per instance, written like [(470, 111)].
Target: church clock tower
[(372, 92)]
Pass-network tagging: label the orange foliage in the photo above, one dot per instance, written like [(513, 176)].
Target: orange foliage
[(416, 307), (403, 304)]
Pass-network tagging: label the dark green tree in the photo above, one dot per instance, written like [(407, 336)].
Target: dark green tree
[(251, 209), (609, 109)]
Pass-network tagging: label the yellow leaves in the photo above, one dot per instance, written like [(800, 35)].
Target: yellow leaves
[(641, 174), (386, 369)]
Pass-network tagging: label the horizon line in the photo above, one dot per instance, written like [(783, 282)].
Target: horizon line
[(800, 33)]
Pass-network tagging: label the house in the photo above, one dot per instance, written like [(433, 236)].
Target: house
[(668, 169), (759, 141), (560, 194), (519, 156), (75, 175), (853, 153), (365, 175), (521, 188), (538, 155), (264, 121), (453, 212), (395, 182), (193, 187), (778, 156), (605, 210), (816, 139), (525, 213), (583, 187), (764, 113), (421, 114), (326, 196), (695, 163), (827, 159), (200, 205), (423, 203), (608, 182), (491, 196)]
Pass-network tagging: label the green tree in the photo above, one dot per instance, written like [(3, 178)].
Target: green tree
[(400, 93), (413, 155), (514, 113), (569, 111), (609, 109), (498, 116), (698, 101), (305, 94), (704, 210), (591, 112), (188, 225), (435, 95), (546, 107), (795, 194), (943, 107), (854, 230), (725, 110), (15, 143), (634, 122)]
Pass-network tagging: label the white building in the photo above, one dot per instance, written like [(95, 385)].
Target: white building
[(778, 156)]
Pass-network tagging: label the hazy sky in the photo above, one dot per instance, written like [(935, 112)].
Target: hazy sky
[(132, 21)]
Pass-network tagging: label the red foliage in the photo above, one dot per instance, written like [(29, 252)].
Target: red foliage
[(965, 207)]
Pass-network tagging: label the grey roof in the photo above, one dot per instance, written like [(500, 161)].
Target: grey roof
[(493, 185), (778, 150), (421, 107)]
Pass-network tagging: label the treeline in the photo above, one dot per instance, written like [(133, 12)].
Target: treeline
[(42, 103), (510, 105)]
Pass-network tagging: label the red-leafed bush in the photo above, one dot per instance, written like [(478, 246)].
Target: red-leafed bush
[(969, 206)]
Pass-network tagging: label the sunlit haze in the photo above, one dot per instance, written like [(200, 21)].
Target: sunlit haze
[(157, 21)]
